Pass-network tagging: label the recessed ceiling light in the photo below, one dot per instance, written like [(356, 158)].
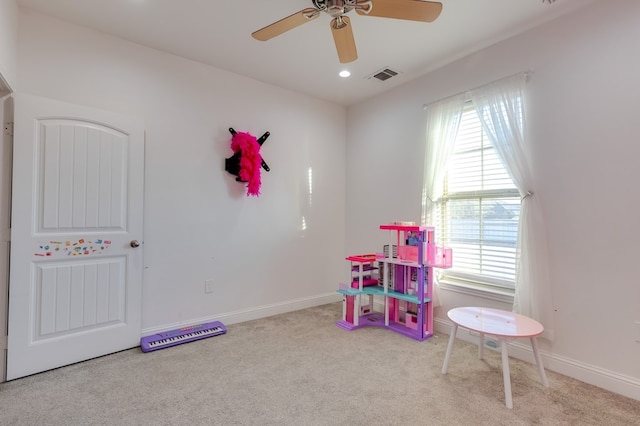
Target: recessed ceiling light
[(344, 74)]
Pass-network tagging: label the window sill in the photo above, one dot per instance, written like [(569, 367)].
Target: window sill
[(478, 290)]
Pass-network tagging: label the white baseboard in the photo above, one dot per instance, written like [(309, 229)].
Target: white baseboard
[(253, 313), (605, 379)]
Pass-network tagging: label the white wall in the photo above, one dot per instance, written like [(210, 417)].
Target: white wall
[(584, 96), (199, 223), (8, 35)]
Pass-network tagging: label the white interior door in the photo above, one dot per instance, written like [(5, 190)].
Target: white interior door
[(75, 278)]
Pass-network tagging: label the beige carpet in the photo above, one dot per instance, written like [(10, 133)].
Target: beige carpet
[(301, 369)]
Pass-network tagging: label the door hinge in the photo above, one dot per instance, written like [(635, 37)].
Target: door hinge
[(8, 128)]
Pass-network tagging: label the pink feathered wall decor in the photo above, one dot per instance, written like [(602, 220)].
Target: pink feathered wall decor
[(246, 160)]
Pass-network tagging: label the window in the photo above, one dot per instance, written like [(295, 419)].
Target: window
[(480, 210)]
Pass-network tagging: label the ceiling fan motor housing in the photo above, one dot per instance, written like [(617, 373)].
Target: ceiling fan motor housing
[(335, 8)]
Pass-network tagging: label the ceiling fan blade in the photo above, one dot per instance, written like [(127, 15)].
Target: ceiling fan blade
[(343, 37), (286, 24), (411, 10)]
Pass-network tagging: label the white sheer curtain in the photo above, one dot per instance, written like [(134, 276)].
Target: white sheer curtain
[(499, 108), (443, 121)]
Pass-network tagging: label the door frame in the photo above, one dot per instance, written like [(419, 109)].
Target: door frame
[(6, 168)]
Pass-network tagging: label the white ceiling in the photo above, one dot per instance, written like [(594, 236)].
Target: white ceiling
[(218, 32)]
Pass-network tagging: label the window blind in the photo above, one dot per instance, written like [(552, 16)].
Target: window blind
[(480, 209)]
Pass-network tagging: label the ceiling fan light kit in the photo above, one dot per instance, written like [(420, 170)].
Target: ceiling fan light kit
[(341, 29)]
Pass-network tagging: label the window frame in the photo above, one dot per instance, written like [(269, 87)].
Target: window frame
[(478, 284)]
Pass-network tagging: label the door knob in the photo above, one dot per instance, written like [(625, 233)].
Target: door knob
[(134, 243)]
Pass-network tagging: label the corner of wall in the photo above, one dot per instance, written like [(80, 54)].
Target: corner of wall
[(8, 44)]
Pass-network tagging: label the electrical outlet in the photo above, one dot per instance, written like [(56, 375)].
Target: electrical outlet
[(490, 343), (208, 286)]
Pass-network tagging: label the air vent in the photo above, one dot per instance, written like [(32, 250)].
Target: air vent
[(385, 74)]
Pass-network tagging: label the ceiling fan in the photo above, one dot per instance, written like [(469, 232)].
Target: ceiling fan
[(411, 10)]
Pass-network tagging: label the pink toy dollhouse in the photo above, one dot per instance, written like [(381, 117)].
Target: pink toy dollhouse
[(402, 276)]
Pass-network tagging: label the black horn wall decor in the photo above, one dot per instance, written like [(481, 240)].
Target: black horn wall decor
[(246, 161)]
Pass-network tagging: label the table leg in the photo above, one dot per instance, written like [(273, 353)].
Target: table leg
[(481, 346), (536, 354), (452, 338), (506, 375)]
